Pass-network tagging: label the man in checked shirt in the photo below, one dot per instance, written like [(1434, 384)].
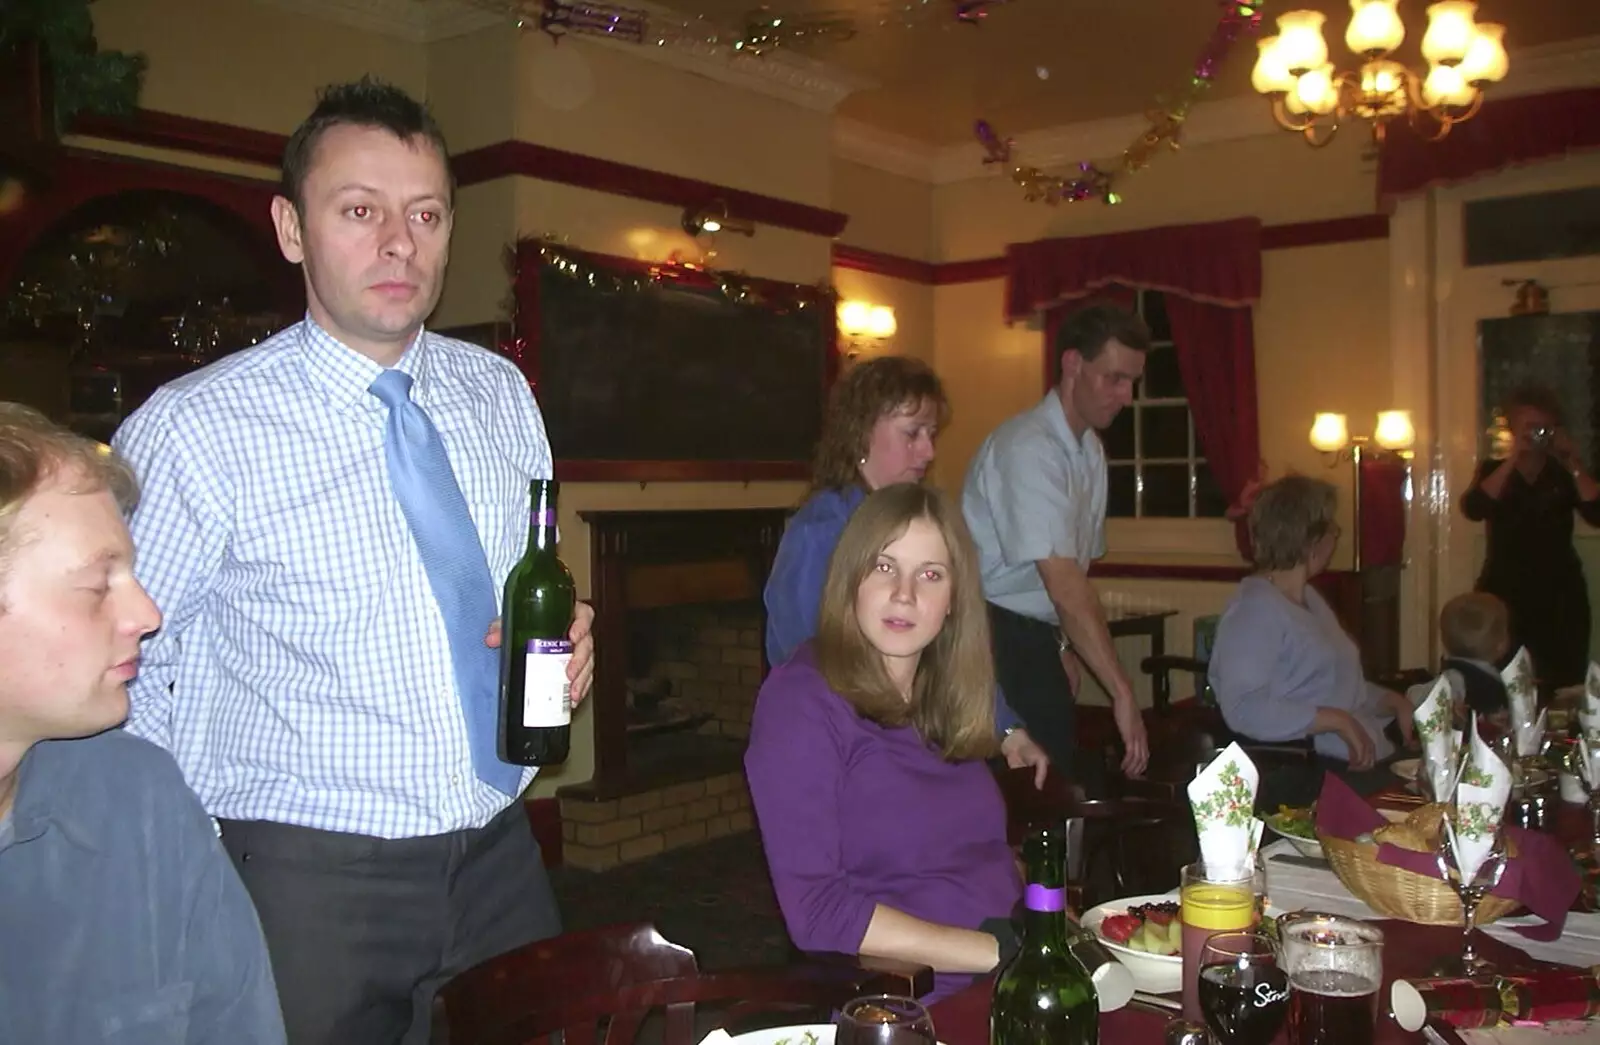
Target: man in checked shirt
[(305, 677)]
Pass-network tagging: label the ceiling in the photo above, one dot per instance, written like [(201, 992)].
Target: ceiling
[(1041, 63)]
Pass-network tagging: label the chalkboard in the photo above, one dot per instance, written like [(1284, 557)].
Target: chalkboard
[(668, 372)]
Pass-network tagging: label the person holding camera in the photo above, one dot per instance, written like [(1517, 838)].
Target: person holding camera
[(1528, 499)]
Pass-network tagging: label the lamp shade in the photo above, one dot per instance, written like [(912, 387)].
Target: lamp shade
[(1375, 28), (1394, 430), (1450, 31), (855, 318), (1329, 433), (1300, 42), (1270, 75), (880, 322), (1486, 57)]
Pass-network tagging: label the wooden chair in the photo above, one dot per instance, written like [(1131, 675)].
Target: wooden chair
[(1134, 841), (601, 986)]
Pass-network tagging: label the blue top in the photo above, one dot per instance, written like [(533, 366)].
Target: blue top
[(853, 814), (122, 916), (303, 674), (1276, 662), (800, 569)]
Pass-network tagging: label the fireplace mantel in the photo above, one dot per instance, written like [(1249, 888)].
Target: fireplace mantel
[(661, 557)]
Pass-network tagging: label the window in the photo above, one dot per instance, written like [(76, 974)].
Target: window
[(1544, 226), (1156, 468)]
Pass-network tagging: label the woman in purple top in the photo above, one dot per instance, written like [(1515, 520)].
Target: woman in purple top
[(882, 418), (884, 831)]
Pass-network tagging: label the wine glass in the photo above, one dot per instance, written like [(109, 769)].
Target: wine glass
[(1244, 993), (1471, 894), (883, 1019)]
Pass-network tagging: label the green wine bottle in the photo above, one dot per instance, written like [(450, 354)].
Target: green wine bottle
[(1044, 994), (535, 696)]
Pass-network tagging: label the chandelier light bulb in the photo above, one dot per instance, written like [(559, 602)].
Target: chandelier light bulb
[(1270, 75), (1382, 77), (1375, 28), (1446, 86), (1486, 60), (1300, 43), (1450, 31), (1316, 91)]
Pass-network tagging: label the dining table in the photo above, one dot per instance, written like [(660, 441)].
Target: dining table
[(1410, 950)]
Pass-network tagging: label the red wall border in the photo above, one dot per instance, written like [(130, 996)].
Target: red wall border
[(1350, 229)]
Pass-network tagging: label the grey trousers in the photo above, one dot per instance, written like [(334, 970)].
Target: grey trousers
[(363, 931)]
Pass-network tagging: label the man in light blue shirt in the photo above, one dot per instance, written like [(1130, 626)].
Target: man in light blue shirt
[(1035, 500), (121, 917), (307, 679)]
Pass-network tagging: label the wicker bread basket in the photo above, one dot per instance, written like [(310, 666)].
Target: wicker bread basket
[(1395, 892)]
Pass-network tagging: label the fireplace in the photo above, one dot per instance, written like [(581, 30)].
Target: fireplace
[(678, 640)]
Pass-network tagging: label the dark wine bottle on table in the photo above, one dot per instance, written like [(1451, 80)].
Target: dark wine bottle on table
[(536, 614), (1044, 994)]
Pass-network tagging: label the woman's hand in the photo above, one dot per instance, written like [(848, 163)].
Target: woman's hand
[(1356, 741), (1403, 717), (1021, 750)]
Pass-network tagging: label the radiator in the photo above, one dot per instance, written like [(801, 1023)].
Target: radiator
[(1190, 598)]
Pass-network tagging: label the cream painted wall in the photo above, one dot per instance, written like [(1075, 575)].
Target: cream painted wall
[(603, 101), (245, 63), (472, 84), (889, 213)]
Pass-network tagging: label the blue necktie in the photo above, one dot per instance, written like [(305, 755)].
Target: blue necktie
[(458, 572)]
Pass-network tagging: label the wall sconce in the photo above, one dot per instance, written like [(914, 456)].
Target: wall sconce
[(1392, 434), (714, 217), (863, 324)]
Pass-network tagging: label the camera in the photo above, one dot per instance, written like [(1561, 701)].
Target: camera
[(1542, 436)]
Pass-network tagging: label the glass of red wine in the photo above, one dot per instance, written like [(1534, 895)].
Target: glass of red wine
[(883, 1019), (1244, 993)]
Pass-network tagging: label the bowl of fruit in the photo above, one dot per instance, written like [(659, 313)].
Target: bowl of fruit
[(1146, 935), (1299, 825)]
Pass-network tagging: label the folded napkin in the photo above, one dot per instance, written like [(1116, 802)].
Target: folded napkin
[(1223, 797), (1540, 877), (1439, 741), (1524, 701), (1591, 692), (1589, 763), (1480, 806)]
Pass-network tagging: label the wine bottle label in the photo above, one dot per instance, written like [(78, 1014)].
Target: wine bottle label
[(1043, 898), (546, 693)]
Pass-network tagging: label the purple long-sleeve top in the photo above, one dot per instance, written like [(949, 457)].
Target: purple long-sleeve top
[(853, 815)]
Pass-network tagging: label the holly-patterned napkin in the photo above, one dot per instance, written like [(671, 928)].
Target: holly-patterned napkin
[(1223, 797), (1439, 740), (1589, 712), (1524, 699), (1480, 804)]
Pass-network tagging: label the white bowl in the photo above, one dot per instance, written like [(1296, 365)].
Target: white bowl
[(1305, 846), (1155, 973)]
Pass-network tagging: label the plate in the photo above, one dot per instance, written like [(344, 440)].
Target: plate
[(821, 1034), (1406, 768)]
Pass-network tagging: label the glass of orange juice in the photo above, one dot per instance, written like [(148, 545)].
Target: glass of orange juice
[(1213, 904)]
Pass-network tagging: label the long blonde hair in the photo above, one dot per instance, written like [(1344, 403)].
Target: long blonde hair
[(952, 697)]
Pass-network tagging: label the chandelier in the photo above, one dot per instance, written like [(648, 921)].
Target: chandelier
[(1310, 97)]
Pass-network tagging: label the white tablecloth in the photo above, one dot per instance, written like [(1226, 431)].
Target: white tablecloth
[(1292, 887)]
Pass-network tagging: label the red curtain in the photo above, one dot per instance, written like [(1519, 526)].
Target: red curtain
[(1210, 275), (1383, 511), (1504, 133)]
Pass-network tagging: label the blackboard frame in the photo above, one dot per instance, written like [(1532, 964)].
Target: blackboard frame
[(528, 264)]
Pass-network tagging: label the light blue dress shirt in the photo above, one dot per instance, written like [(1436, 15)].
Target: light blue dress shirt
[(303, 672), (1035, 491), (1276, 662)]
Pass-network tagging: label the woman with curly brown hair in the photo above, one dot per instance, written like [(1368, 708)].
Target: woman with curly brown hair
[(879, 430)]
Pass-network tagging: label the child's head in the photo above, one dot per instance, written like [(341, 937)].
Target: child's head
[(1476, 626)]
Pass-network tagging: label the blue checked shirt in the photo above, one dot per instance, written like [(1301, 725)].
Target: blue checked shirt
[(303, 673)]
